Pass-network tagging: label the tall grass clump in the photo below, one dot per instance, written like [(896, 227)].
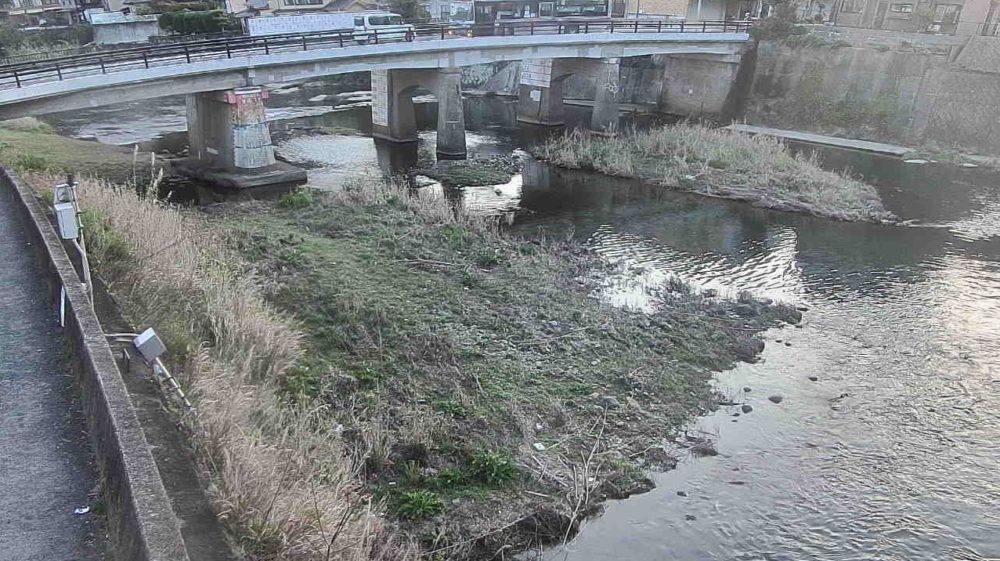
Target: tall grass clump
[(280, 481), (722, 163)]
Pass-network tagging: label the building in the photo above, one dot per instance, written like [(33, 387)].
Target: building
[(951, 17), (39, 12), (276, 7), (718, 10)]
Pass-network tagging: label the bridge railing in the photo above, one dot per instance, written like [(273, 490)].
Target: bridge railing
[(19, 74)]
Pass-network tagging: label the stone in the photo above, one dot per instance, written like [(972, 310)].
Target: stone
[(746, 408), (776, 398), (682, 493), (788, 343), (746, 389), (690, 517), (611, 402), (813, 378)]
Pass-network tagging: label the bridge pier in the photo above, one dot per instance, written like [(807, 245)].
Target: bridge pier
[(229, 142), (539, 99), (393, 116)]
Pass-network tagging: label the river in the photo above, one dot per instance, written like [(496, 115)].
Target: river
[(886, 444)]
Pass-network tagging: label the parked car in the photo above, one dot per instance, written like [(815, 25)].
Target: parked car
[(381, 26)]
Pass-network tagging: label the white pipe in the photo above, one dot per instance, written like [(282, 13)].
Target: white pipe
[(173, 383)]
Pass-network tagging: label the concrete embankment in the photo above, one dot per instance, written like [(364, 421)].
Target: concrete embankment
[(894, 87), (141, 523)]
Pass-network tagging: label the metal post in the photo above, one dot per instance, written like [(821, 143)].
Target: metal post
[(267, 49), (340, 38), (442, 32), (17, 79), (531, 28), (187, 53), (229, 53), (636, 26), (586, 27), (101, 61), (58, 71), (682, 26), (145, 60), (376, 36), (304, 46), (704, 26), (612, 26), (659, 26)]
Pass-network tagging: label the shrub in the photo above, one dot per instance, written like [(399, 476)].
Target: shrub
[(493, 468), (197, 23), (418, 504)]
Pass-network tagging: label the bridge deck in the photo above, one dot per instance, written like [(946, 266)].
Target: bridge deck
[(46, 467)]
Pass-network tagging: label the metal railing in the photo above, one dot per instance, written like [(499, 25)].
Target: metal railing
[(19, 74)]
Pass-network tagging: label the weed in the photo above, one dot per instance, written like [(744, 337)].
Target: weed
[(455, 235), (297, 200), (493, 468), (449, 479), (418, 504), (451, 408), (32, 162), (411, 473), (487, 258)]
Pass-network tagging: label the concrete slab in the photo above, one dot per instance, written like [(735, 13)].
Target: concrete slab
[(272, 178), (823, 140)]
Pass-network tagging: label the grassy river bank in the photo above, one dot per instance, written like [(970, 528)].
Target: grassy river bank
[(720, 163), (379, 376)]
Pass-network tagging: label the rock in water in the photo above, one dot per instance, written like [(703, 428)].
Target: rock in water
[(747, 408), (776, 398)]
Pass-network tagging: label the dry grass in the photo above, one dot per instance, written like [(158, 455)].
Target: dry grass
[(721, 163), (280, 480)]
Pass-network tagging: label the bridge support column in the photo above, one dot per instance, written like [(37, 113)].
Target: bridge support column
[(606, 85), (229, 142), (539, 96), (393, 116), (539, 99), (228, 130), (451, 115)]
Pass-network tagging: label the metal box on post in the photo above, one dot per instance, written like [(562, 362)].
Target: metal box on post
[(69, 228), (149, 345)]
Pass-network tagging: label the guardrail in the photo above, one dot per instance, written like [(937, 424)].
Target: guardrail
[(103, 62)]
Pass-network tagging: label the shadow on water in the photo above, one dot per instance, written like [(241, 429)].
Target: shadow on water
[(887, 442)]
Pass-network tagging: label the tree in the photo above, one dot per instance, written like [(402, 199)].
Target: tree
[(411, 10)]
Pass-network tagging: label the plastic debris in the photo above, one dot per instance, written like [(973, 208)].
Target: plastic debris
[(539, 446), (915, 161), (81, 510)]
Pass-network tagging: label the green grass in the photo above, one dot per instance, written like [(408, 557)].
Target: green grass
[(720, 163), (298, 199), (436, 341), (33, 146)]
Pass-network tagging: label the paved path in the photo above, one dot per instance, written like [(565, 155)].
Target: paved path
[(862, 145), (46, 465)]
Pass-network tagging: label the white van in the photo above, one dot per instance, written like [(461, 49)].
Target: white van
[(388, 27)]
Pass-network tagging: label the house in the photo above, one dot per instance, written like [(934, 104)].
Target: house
[(951, 17), (39, 12)]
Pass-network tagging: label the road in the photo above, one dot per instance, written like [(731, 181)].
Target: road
[(46, 464)]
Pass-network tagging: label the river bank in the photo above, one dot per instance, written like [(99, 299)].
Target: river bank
[(720, 163), (413, 373)]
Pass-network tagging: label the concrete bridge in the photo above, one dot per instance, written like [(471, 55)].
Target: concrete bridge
[(224, 80)]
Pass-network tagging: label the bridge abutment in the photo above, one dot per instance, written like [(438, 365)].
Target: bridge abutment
[(393, 115), (229, 142), (540, 90)]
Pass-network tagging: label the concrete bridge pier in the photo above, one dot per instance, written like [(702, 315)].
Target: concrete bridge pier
[(540, 90), (393, 116), (229, 142)]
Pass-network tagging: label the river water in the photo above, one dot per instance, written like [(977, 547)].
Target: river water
[(886, 444)]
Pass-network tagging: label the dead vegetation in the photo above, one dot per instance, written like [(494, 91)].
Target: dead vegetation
[(722, 163), (378, 375)]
